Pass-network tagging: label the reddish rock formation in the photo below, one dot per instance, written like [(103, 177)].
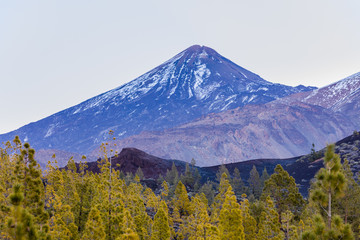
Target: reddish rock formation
[(130, 159)]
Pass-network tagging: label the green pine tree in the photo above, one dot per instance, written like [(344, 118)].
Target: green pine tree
[(160, 229), (220, 198), (20, 223), (94, 228), (249, 222), (181, 200), (282, 188), (28, 175), (237, 183), (255, 183), (329, 186), (188, 178), (269, 225), (230, 218)]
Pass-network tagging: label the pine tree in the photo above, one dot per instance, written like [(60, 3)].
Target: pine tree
[(220, 198), (164, 190), (172, 176), (208, 190), (193, 163), (255, 183), (306, 222), (84, 187), (223, 169), (269, 226), (28, 175), (6, 186), (128, 235), (230, 218), (264, 176), (110, 198), (313, 154), (347, 206), (256, 208), (139, 173), (188, 179), (282, 188), (290, 230), (160, 229), (330, 183), (249, 222), (121, 221), (136, 205), (62, 223), (320, 231), (175, 216), (198, 225), (329, 186), (196, 175), (237, 183), (94, 228), (181, 200), (151, 200), (71, 180), (20, 222)]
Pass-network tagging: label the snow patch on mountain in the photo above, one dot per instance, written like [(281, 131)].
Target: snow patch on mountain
[(138, 87), (244, 99), (203, 54), (200, 74), (336, 94), (228, 102), (252, 98), (50, 131), (243, 74), (333, 96)]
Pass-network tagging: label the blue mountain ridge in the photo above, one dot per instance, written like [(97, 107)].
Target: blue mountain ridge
[(194, 83)]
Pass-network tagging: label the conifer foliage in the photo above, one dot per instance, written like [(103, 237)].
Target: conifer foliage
[(20, 223), (161, 229), (74, 203), (282, 188), (330, 186)]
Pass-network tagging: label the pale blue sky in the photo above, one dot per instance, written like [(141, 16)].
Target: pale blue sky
[(55, 54)]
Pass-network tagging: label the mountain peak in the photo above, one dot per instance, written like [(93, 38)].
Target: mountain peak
[(197, 72), (195, 82), (193, 48), (199, 49), (194, 56)]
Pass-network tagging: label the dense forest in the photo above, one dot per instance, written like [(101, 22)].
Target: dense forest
[(74, 203)]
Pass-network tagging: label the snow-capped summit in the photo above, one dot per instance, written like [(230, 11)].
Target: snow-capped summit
[(195, 82), (200, 74)]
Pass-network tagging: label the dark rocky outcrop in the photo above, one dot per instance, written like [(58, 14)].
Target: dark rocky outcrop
[(131, 159)]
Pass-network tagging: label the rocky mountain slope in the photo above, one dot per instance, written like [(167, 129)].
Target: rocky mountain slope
[(280, 129), (302, 168), (342, 96), (196, 82), (305, 168)]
